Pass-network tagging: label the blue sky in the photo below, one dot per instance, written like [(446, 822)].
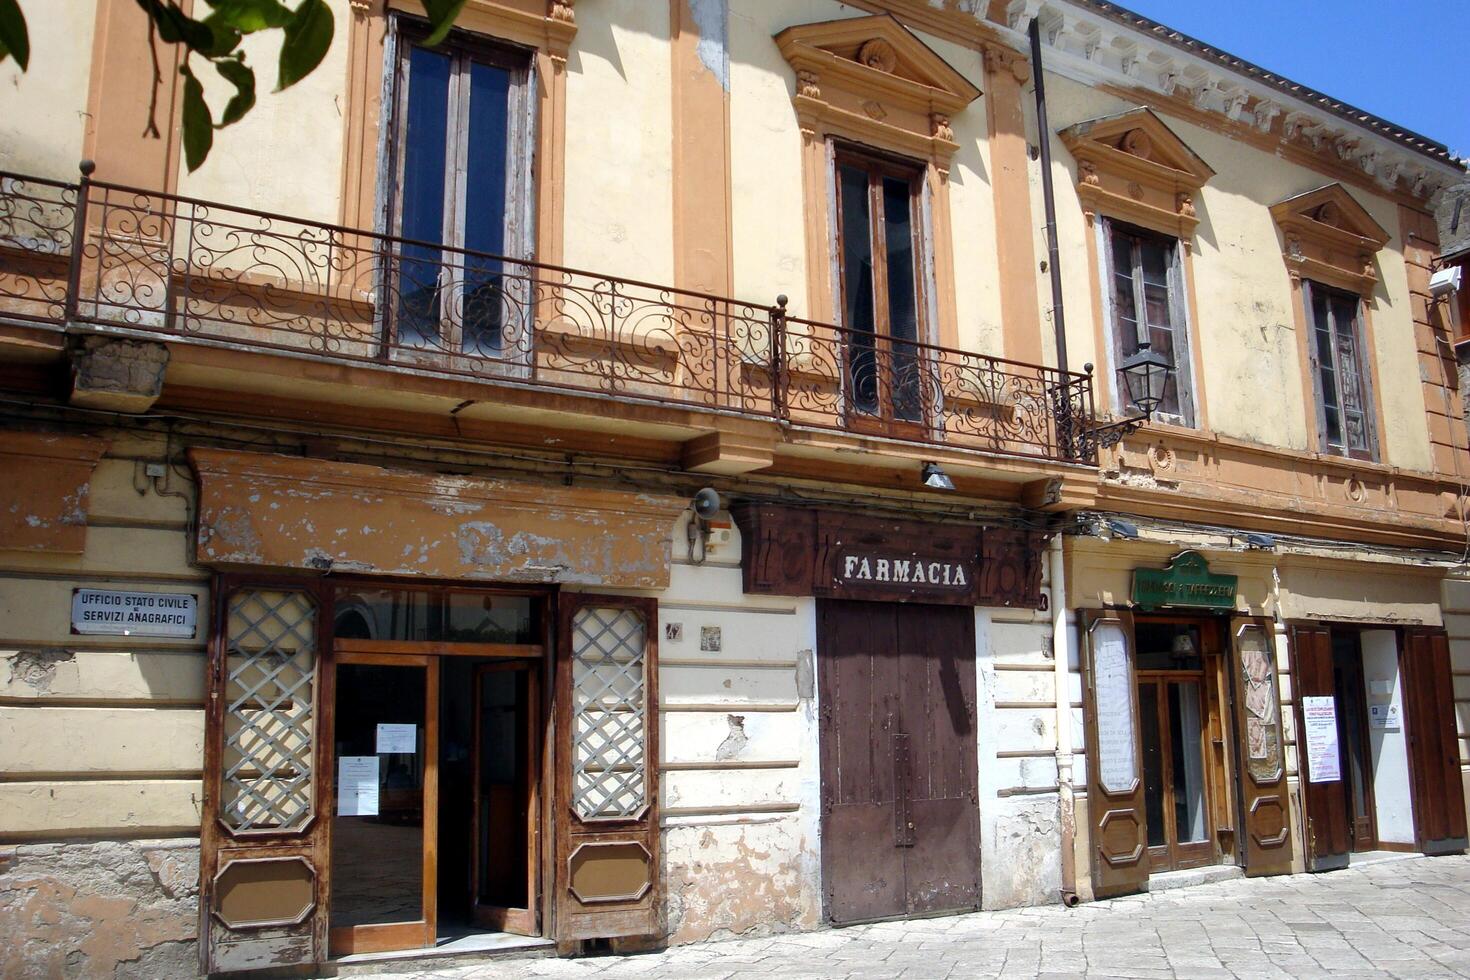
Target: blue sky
[(1405, 62)]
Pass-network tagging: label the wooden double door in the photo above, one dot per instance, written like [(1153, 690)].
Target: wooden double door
[(900, 808), (1327, 664), (1185, 746)]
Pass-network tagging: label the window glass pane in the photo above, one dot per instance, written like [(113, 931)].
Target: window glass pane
[(1350, 372), (378, 822), (1186, 741), (898, 234), (453, 617), (269, 723), (1155, 258), (1144, 262), (484, 217), (857, 287), (1167, 646), (1153, 763), (1123, 307), (421, 211), (903, 313)]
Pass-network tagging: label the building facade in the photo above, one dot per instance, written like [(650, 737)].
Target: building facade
[(362, 591)]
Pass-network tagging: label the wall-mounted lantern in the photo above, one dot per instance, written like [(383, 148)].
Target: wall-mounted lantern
[(1146, 375)]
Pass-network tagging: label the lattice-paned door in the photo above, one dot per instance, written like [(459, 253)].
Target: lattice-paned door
[(607, 849), (263, 881)]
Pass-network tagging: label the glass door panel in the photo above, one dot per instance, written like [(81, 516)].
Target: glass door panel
[(1153, 763), (1186, 746), (1176, 800), (385, 768)]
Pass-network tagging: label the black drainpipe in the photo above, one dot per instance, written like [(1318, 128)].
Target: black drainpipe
[(1043, 137)]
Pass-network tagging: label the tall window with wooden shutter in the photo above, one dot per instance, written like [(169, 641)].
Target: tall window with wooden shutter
[(1329, 242), (459, 152), (1138, 184), (1145, 294), (1344, 405), (883, 284)]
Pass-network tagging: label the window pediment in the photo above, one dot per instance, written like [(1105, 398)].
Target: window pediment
[(871, 79), (1328, 236), (1133, 166)]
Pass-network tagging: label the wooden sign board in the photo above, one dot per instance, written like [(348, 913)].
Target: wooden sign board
[(810, 552), (1186, 581)]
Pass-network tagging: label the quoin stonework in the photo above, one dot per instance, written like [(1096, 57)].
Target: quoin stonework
[(358, 592)]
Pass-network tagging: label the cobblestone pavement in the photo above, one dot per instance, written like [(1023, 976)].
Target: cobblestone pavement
[(1400, 918)]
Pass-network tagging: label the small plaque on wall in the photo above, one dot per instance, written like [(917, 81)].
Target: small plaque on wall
[(1384, 717), (113, 613)]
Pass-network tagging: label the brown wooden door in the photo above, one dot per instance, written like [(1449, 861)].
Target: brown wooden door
[(267, 780), (1115, 795), (900, 811), (1176, 798), (1353, 740), (608, 881), (1329, 832), (1260, 748), (1434, 756)]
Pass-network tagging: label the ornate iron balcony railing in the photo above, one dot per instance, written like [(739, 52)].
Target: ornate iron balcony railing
[(215, 273)]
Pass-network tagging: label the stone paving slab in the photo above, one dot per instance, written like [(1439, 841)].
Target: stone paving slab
[(1397, 919)]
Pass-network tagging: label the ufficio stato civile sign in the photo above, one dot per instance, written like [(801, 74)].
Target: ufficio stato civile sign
[(111, 613)]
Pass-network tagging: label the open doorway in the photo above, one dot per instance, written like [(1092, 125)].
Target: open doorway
[(1349, 691), (487, 806), (436, 718)]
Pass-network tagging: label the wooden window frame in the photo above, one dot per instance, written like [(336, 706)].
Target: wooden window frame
[(1179, 307), (879, 166), (464, 49), (1366, 390)]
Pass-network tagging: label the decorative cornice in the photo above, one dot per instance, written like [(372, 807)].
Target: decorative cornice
[(1329, 237), (1132, 166), (1103, 45), (869, 78)]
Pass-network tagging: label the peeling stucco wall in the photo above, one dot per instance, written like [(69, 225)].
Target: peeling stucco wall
[(119, 909), (740, 781), (1020, 828)]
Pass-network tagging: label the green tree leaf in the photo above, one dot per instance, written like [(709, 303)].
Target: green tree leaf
[(249, 16), (308, 37), (238, 74), (14, 41), (441, 17), (198, 124), (175, 27)]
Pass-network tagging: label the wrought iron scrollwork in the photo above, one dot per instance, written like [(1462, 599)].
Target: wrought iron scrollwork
[(105, 255)]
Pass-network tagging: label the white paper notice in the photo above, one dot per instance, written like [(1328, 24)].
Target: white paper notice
[(357, 786), (1320, 722), (1113, 687), (396, 739)]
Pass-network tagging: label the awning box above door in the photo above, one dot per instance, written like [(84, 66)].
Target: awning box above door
[(293, 512)]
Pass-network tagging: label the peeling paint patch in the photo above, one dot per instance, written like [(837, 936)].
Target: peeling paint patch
[(37, 668), (735, 742), (712, 18)]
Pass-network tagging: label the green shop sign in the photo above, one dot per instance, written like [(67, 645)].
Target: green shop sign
[(1187, 581)]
